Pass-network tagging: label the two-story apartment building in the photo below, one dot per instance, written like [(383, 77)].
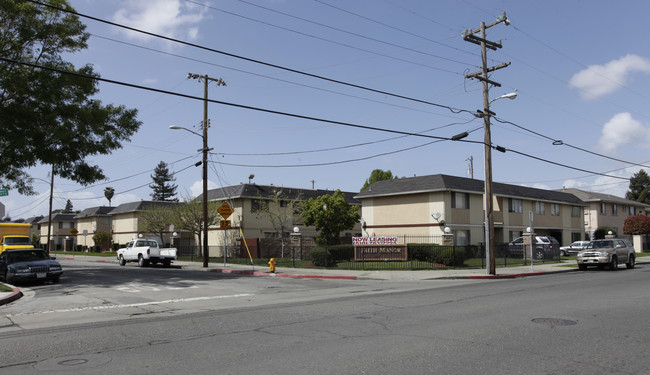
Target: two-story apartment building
[(604, 210), (62, 235), (91, 220), (426, 205)]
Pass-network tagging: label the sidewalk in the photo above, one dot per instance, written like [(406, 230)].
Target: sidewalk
[(317, 273)]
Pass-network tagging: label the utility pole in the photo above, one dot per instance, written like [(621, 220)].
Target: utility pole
[(469, 36), (205, 124)]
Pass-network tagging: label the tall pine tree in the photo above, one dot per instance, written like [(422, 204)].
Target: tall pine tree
[(639, 187), (163, 189)]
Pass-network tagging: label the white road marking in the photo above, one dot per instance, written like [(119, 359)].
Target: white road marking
[(108, 307)]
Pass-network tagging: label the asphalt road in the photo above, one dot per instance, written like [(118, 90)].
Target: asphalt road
[(103, 319)]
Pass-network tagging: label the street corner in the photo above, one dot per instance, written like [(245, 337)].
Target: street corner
[(12, 296)]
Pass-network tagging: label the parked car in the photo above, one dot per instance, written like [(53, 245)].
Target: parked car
[(29, 264), (546, 247), (574, 248), (144, 252), (607, 252)]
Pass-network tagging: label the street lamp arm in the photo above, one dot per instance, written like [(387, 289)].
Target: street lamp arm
[(174, 127)]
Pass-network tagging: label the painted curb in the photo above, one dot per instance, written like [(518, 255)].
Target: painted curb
[(290, 275), (15, 295)]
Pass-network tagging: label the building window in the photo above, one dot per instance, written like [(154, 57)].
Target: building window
[(515, 205), (614, 209), (540, 208), (603, 208), (461, 237), (256, 205), (460, 200), (514, 234), (555, 209), (60, 224), (632, 210), (576, 236), (575, 211)]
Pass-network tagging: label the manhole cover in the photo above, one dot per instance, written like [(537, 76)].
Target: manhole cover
[(553, 322), (73, 362)]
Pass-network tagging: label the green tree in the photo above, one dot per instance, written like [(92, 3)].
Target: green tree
[(156, 219), (331, 215), (68, 207), (639, 187), (163, 189), (281, 210), (108, 193), (48, 116), (102, 239), (378, 175)]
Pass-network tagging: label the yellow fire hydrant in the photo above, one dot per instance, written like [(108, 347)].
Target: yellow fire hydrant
[(272, 265)]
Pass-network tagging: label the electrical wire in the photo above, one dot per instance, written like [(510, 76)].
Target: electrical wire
[(291, 70)]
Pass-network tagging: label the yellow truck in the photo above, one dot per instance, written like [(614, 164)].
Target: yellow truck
[(15, 236)]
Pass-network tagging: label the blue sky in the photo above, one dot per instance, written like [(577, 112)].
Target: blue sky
[(581, 70)]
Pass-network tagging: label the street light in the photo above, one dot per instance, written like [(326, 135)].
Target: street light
[(206, 254), (489, 215)]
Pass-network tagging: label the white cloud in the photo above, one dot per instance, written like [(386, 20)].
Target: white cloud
[(599, 80), (172, 18), (197, 187), (622, 129)]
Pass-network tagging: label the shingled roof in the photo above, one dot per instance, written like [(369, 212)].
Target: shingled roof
[(138, 206), (95, 211), (590, 196), (254, 191), (441, 182)]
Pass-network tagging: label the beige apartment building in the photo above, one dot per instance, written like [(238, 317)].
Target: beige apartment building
[(91, 220), (425, 206), (604, 210)]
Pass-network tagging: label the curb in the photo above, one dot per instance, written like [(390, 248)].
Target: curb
[(290, 275), (15, 295)]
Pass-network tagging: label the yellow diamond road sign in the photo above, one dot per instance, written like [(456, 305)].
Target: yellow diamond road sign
[(225, 210)]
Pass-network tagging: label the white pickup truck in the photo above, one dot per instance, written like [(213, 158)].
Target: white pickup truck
[(145, 252)]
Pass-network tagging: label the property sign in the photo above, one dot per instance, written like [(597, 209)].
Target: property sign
[(380, 252), (225, 210), (374, 240), (4, 192), (225, 224)]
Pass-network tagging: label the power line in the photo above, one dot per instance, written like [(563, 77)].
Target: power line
[(452, 109)]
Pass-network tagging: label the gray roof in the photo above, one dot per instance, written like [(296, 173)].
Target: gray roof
[(94, 212), (441, 182), (139, 206), (33, 219), (254, 191), (590, 196), (59, 217)]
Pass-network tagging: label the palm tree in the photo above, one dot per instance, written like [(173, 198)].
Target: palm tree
[(108, 193)]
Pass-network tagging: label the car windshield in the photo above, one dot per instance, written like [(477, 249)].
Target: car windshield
[(17, 241), (600, 244), (26, 256)]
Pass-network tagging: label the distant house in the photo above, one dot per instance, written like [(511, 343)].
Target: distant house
[(35, 226), (62, 236), (125, 219), (604, 210), (91, 220), (424, 206)]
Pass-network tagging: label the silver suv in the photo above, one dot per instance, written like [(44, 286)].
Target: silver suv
[(608, 252), (546, 247)]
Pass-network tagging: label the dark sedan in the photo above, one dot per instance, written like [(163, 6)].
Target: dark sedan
[(28, 264)]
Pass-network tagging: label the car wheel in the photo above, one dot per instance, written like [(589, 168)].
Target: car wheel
[(582, 267), (630, 262), (167, 263), (122, 261), (562, 253), (614, 264), (141, 261), (539, 254), (55, 280)]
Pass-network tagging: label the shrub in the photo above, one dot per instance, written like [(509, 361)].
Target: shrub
[(342, 252), (601, 232), (446, 255), (639, 224), (320, 257)]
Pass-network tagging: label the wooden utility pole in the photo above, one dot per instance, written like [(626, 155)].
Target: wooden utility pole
[(220, 82), (469, 36)]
